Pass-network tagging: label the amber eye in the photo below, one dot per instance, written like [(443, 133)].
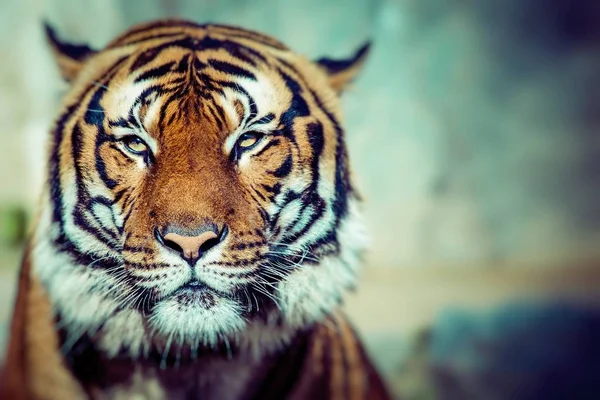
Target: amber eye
[(248, 140), (135, 145)]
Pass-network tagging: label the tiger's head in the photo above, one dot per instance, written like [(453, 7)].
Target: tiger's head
[(198, 190)]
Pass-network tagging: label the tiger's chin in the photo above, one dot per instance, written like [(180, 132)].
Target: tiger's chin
[(196, 315)]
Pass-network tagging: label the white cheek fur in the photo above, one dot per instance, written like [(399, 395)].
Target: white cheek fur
[(84, 296), (308, 294)]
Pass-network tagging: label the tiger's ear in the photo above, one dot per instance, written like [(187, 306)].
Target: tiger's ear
[(342, 72), (68, 56)]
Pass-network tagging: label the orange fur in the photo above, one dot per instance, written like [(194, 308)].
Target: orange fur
[(34, 367)]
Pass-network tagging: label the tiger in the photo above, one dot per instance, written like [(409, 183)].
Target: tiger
[(198, 226)]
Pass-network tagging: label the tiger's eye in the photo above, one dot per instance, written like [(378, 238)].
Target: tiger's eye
[(135, 145), (249, 140)]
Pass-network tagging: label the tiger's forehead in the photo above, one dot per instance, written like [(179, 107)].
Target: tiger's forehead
[(229, 71), (245, 99)]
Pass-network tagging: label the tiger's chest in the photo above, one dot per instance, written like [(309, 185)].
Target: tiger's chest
[(208, 379), (153, 388)]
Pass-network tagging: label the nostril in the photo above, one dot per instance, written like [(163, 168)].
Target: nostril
[(172, 245), (215, 241), (166, 242), (209, 244)]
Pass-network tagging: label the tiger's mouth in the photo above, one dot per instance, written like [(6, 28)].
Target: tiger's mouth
[(196, 294), (199, 295), (196, 313)]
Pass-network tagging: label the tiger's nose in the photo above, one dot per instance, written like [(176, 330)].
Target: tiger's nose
[(192, 246)]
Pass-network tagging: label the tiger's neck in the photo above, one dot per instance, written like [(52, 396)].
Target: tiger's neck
[(209, 376)]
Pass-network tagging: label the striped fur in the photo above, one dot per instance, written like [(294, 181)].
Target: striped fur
[(116, 299)]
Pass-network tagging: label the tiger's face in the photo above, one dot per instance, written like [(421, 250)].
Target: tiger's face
[(199, 188)]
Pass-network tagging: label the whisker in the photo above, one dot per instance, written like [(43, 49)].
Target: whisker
[(163, 361), (103, 86)]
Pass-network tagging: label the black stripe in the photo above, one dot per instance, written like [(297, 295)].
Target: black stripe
[(237, 88), (217, 113), (287, 199), (147, 266), (234, 32), (107, 203), (156, 72), (263, 120), (342, 184), (315, 207), (274, 190), (84, 203), (259, 194), (238, 263), (247, 245), (153, 36), (145, 58), (235, 49), (54, 167), (273, 142), (285, 168), (207, 87), (163, 110), (122, 40), (298, 107), (312, 203)]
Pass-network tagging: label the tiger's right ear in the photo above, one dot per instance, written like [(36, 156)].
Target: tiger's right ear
[(68, 56)]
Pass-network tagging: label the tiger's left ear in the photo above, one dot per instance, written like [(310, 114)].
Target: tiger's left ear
[(69, 57), (342, 72)]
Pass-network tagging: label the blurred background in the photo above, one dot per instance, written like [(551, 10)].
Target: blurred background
[(474, 135)]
